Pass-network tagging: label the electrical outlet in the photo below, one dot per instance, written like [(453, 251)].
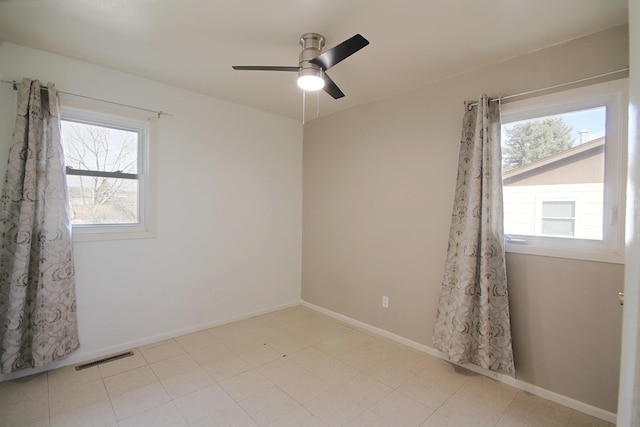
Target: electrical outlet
[(385, 301)]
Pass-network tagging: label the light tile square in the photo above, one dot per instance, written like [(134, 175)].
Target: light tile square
[(25, 412), (578, 419), (179, 385), (196, 341), (367, 353), (343, 403), (142, 399), (97, 414), (239, 338), (343, 346), (268, 405), (334, 409), (304, 387), (203, 403), (259, 355), (225, 368), (480, 399), (399, 368), (231, 416), (529, 410), (130, 380), (25, 388), (157, 344), (166, 415), (370, 419), (310, 357), (325, 330), (363, 389), (401, 410), (297, 418), (178, 365), (212, 353), (167, 350), (68, 377), (75, 397), (333, 371), (437, 420), (281, 370), (432, 389), (244, 385), (285, 344)]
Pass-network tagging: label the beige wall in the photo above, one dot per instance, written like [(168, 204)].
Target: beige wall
[(378, 185)]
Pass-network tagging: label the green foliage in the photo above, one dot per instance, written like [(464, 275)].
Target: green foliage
[(531, 141)]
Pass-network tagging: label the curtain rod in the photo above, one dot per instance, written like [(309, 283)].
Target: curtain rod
[(158, 113), (529, 92)]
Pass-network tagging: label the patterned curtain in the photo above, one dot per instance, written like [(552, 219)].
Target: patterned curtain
[(37, 279), (472, 323)]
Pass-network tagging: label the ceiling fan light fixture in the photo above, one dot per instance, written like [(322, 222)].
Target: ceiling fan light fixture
[(310, 79)]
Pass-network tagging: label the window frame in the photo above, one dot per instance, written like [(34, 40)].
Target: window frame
[(613, 95), (92, 115)]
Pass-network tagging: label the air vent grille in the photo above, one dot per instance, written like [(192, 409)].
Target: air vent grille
[(104, 360)]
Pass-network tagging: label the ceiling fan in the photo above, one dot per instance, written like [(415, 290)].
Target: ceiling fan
[(313, 63)]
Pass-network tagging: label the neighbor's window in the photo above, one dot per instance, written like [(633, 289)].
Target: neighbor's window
[(558, 218), (105, 159), (563, 173)]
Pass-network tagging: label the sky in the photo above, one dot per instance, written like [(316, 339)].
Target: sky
[(593, 120)]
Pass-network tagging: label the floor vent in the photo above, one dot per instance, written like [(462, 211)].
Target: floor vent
[(104, 360)]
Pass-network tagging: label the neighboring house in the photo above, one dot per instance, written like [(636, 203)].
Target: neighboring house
[(561, 195)]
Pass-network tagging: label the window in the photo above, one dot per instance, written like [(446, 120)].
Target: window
[(106, 159), (564, 172)]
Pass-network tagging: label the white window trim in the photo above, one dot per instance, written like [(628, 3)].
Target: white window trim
[(90, 114), (614, 96)]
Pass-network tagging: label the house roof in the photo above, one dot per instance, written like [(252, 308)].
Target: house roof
[(573, 155)]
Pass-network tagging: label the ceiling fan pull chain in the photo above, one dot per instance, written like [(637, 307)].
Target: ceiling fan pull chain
[(304, 103)]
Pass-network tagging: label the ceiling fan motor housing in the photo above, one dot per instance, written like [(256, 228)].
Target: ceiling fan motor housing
[(312, 44)]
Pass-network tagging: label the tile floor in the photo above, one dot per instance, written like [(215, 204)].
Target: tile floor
[(294, 367)]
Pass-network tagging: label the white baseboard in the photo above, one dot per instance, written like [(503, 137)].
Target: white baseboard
[(514, 382), (80, 357)]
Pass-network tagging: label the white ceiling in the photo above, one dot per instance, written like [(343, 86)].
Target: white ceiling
[(192, 44)]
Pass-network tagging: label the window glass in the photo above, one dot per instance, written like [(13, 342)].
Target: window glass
[(561, 155), (97, 198)]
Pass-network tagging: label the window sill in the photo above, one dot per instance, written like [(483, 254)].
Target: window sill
[(585, 254), (94, 235)]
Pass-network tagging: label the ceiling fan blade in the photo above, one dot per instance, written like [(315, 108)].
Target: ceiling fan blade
[(331, 88), (337, 53), (265, 68)]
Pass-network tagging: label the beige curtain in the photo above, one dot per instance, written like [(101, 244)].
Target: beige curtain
[(472, 322), (37, 279)]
